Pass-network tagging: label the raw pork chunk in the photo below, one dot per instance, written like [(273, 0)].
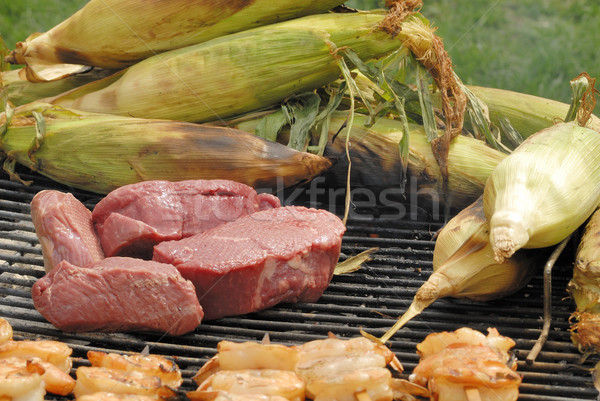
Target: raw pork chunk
[(64, 228), (132, 219), (285, 254), (118, 294)]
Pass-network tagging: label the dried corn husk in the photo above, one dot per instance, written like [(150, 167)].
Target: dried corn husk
[(99, 153), (117, 33), (19, 91), (464, 266), (544, 190), (238, 73), (584, 287)]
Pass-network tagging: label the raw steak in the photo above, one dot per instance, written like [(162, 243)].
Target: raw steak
[(132, 219), (118, 294), (64, 228), (285, 254)]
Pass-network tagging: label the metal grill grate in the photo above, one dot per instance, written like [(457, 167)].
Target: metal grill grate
[(370, 298)]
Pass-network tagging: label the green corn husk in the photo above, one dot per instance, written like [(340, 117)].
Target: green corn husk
[(19, 91), (544, 190), (527, 114), (238, 73), (584, 288), (114, 34), (100, 153), (464, 266)]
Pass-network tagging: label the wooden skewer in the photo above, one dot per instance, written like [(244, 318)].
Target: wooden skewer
[(363, 396), (472, 394)]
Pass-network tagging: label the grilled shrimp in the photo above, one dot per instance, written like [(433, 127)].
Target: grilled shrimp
[(92, 380), (454, 364), (55, 352), (107, 396), (269, 382), (20, 382), (223, 396), (55, 380), (336, 369), (151, 365), (6, 332)]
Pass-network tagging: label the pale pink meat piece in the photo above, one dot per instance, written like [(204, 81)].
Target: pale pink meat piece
[(118, 294), (64, 228), (285, 254), (132, 219)]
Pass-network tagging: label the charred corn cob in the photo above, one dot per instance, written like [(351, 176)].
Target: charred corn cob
[(237, 73), (464, 266), (99, 153), (584, 287), (117, 33), (544, 190)]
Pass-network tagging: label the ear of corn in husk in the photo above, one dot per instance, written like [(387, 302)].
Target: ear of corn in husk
[(584, 288), (464, 266), (241, 72), (117, 33), (376, 161), (544, 190), (19, 91), (99, 153)]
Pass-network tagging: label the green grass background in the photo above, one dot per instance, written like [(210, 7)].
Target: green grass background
[(530, 46)]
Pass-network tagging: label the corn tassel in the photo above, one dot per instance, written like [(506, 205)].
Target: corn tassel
[(100, 153), (464, 266), (544, 190), (117, 33), (237, 73), (584, 287)]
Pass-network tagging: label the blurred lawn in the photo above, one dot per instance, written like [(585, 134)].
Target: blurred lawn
[(530, 46)]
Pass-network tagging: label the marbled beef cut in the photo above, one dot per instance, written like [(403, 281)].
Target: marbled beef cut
[(64, 228), (285, 254), (118, 294), (132, 219)]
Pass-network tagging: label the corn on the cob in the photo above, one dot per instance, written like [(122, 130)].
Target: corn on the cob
[(377, 164), (544, 190), (237, 73), (464, 266), (20, 91), (584, 287), (99, 153), (117, 33), (528, 114)]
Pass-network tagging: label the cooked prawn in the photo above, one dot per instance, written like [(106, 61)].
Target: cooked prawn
[(151, 365), (223, 396), (92, 379), (6, 331), (55, 380), (337, 369), (55, 352), (269, 382), (107, 396), (20, 382), (453, 364)]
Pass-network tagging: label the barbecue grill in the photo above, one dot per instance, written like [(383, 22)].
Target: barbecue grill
[(368, 299)]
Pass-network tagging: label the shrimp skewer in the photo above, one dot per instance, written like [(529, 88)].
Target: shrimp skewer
[(151, 365), (92, 380), (21, 383), (55, 380), (467, 365), (55, 352)]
